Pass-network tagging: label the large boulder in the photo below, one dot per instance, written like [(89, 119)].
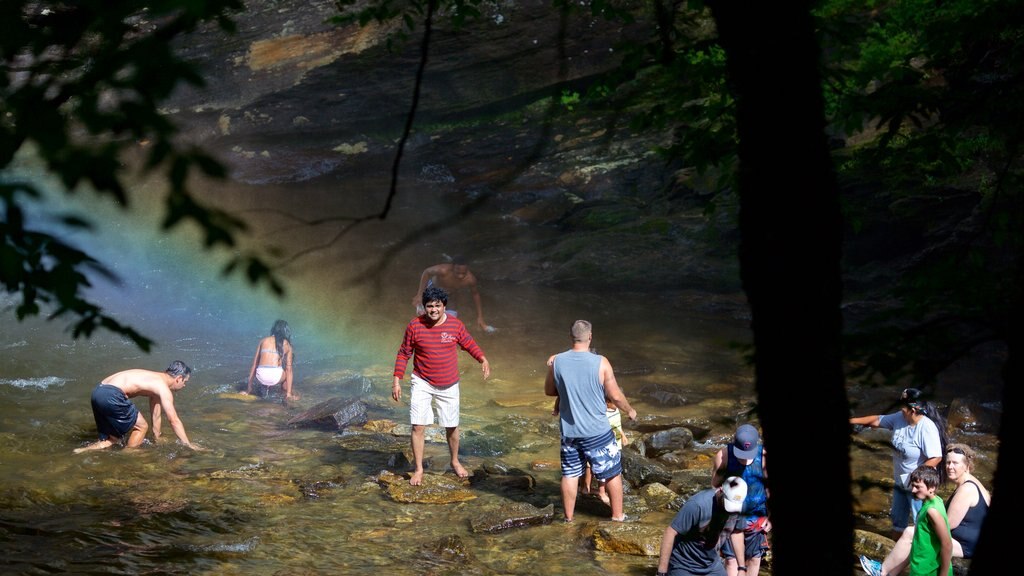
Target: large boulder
[(336, 414)]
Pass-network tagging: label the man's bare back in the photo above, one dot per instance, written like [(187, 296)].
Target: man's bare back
[(138, 382)]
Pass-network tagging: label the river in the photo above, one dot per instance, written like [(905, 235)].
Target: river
[(242, 506), (266, 498)]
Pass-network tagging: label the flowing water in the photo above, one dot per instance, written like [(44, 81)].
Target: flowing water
[(267, 498)]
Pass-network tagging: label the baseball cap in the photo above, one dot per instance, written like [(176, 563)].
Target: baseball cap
[(734, 491), (744, 445)]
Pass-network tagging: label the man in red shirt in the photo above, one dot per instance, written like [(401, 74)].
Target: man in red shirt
[(433, 340)]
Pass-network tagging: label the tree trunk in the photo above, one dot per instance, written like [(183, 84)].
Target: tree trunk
[(790, 253)]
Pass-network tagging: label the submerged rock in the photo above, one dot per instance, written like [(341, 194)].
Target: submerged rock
[(513, 515), (436, 489)]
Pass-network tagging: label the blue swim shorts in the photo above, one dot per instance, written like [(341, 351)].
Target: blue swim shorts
[(601, 452), (115, 414)]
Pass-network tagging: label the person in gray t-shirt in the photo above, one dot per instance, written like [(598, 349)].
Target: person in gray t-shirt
[(691, 543)]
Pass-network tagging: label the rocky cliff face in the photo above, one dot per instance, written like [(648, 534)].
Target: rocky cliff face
[(291, 98)]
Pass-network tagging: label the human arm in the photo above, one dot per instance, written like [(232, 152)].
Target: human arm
[(405, 351), (485, 367), (166, 404), (941, 530), (549, 381), (467, 343), (668, 540), (874, 421), (289, 354), (718, 464), (396, 389), (555, 409), (417, 299), (475, 291), (612, 392), (252, 369)]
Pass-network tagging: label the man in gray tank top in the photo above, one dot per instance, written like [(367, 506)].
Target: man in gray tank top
[(584, 383)]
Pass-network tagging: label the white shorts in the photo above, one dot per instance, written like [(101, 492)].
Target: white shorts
[(269, 375), (445, 400)]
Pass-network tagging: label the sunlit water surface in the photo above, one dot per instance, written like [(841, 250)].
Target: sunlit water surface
[(267, 498)]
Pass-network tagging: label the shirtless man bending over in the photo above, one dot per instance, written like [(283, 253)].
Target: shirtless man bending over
[(116, 415)]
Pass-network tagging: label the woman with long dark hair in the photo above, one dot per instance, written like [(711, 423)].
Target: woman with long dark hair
[(272, 364), (919, 437)]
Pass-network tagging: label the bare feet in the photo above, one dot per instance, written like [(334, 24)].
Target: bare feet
[(604, 497), (459, 470), (417, 478)]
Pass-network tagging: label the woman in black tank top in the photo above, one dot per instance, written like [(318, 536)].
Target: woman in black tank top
[(966, 509)]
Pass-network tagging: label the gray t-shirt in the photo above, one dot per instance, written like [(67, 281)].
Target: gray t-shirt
[(582, 406), (913, 444), (702, 531)]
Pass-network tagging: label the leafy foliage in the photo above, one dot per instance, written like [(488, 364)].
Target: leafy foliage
[(81, 86), (942, 84)]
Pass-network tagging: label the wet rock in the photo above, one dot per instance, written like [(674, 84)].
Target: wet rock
[(657, 495), (675, 459), (667, 397), (384, 426), (688, 482), (545, 465), (254, 471), (500, 483), (372, 442), (670, 440), (512, 515), (336, 413), (496, 467), (448, 550), (313, 490), (648, 423), (398, 450), (432, 434), (638, 470), (961, 566), (436, 489), (968, 415), (238, 396), (145, 506), (629, 538), (871, 545), (500, 478)]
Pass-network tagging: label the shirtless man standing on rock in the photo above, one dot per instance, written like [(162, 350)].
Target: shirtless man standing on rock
[(116, 415)]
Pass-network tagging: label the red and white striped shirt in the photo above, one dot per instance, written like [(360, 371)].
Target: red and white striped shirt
[(435, 350)]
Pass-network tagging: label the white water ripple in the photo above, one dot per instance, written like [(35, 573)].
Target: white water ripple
[(42, 383)]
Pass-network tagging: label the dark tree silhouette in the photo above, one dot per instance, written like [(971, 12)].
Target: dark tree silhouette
[(791, 234)]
